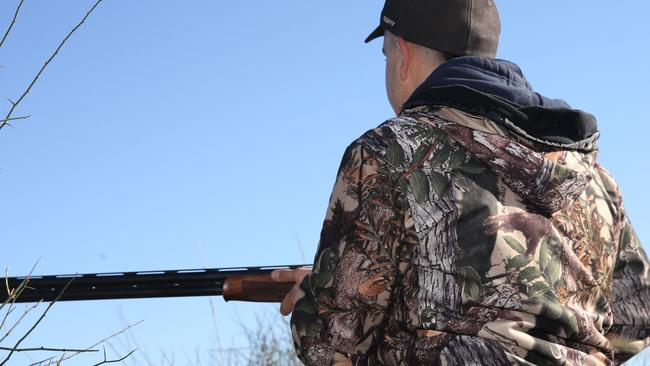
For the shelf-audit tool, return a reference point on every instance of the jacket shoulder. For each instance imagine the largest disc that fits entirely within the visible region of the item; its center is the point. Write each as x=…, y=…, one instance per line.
x=378, y=139
x=608, y=182
x=404, y=130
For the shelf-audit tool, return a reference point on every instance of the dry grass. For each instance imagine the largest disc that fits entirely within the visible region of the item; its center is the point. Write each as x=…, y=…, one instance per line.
x=267, y=342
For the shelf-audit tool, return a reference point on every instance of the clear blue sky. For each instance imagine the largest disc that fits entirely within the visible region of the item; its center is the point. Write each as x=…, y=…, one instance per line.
x=207, y=133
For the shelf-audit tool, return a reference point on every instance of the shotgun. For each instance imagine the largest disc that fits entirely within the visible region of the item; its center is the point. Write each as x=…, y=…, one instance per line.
x=238, y=283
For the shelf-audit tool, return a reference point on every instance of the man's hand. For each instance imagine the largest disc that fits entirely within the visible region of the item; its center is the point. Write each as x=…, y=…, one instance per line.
x=290, y=275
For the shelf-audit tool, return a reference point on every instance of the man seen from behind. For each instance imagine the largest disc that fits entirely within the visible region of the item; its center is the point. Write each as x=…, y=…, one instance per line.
x=475, y=227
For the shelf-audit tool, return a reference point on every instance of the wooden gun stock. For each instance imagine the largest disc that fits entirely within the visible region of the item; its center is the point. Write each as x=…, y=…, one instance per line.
x=257, y=288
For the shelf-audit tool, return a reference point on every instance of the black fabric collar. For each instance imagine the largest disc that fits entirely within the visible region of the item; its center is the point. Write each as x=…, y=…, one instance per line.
x=497, y=89
x=563, y=128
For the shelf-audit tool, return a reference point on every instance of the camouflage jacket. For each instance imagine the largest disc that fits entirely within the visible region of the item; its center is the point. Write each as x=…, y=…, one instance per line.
x=451, y=240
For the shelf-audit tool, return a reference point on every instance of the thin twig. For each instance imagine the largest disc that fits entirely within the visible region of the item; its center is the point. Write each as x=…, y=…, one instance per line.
x=12, y=23
x=46, y=349
x=113, y=361
x=123, y=343
x=12, y=294
x=213, y=313
x=17, y=118
x=302, y=252
x=105, y=339
x=132, y=341
x=6, y=316
x=27, y=311
x=15, y=104
x=112, y=347
x=37, y=322
x=213, y=310
x=39, y=363
x=165, y=357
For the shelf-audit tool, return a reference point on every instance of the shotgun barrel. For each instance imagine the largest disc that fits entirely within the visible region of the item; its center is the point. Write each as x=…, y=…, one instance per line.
x=237, y=283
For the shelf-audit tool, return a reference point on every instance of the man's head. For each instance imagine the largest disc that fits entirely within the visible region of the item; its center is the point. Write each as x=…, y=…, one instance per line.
x=407, y=66
x=422, y=34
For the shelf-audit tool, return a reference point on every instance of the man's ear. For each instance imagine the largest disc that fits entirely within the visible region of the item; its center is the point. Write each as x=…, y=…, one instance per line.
x=406, y=57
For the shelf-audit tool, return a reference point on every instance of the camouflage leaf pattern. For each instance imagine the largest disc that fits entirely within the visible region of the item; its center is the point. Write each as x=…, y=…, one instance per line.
x=449, y=241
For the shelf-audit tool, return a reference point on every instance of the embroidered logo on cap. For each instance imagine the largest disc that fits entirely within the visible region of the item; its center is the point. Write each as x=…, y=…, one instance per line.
x=388, y=21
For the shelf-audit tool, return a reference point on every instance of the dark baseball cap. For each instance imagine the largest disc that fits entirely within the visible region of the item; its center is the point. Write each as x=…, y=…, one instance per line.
x=456, y=27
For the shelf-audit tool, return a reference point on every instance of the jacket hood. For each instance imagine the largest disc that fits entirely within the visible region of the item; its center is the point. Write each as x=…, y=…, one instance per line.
x=546, y=156
x=497, y=89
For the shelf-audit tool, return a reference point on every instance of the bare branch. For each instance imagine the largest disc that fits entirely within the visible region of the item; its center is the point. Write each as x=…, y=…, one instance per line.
x=14, y=293
x=15, y=347
x=12, y=23
x=113, y=361
x=105, y=339
x=27, y=311
x=4, y=319
x=39, y=363
x=7, y=118
x=18, y=118
x=132, y=341
x=15, y=118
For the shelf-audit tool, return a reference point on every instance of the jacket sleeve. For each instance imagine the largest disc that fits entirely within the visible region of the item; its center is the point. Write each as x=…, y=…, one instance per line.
x=630, y=332
x=339, y=316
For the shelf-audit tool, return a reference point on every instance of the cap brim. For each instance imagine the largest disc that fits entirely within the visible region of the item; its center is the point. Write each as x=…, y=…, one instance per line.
x=379, y=32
